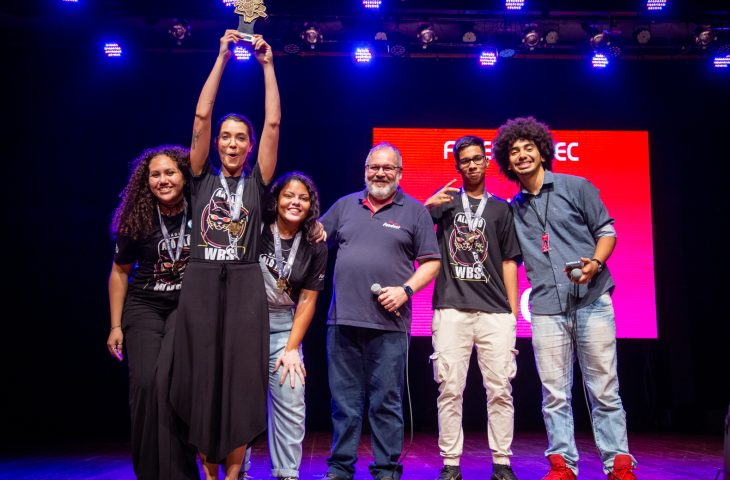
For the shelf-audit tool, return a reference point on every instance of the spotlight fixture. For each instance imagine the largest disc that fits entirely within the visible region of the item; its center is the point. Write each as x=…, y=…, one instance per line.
x=381, y=36
x=600, y=39
x=722, y=57
x=112, y=50
x=180, y=30
x=468, y=34
x=363, y=55
x=655, y=5
x=704, y=36
x=530, y=37
x=488, y=58
x=599, y=61
x=397, y=44
x=371, y=4
x=228, y=3
x=642, y=35
x=241, y=54
x=426, y=35
x=312, y=34
x=514, y=4
x=552, y=37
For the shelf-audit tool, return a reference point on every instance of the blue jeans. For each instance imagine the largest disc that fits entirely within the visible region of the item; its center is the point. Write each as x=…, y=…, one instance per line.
x=286, y=406
x=589, y=334
x=366, y=364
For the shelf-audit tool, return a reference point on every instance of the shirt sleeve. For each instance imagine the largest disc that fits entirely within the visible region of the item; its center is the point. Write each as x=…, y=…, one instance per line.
x=425, y=243
x=595, y=214
x=314, y=279
x=509, y=244
x=331, y=220
x=126, y=251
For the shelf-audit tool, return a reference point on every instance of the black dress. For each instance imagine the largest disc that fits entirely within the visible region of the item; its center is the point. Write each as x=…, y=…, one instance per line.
x=219, y=375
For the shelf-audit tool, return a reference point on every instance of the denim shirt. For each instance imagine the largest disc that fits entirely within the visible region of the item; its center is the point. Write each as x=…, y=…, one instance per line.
x=575, y=220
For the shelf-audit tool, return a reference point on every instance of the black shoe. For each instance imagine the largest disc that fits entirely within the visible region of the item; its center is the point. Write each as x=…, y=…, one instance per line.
x=502, y=472
x=332, y=476
x=450, y=472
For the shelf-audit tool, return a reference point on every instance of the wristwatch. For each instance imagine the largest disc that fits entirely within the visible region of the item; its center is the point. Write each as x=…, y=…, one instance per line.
x=409, y=290
x=600, y=264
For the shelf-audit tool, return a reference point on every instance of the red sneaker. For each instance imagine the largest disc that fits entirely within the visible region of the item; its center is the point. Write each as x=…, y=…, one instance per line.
x=623, y=468
x=558, y=469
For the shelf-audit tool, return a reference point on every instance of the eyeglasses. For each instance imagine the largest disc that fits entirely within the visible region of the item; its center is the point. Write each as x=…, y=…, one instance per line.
x=387, y=169
x=477, y=159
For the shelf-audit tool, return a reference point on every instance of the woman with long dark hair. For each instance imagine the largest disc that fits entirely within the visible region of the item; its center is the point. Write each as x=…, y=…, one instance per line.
x=219, y=376
x=153, y=246
x=294, y=266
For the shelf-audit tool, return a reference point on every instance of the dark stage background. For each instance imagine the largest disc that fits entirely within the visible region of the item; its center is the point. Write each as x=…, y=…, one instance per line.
x=75, y=121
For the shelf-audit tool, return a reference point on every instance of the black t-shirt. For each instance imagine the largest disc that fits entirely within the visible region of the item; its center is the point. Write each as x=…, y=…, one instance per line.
x=215, y=237
x=154, y=270
x=470, y=276
x=308, y=270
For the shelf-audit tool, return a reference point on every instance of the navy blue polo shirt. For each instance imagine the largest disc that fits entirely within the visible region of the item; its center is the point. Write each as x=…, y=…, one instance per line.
x=373, y=248
x=576, y=218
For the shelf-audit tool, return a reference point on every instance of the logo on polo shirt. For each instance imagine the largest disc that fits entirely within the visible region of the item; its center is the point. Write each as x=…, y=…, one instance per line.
x=391, y=224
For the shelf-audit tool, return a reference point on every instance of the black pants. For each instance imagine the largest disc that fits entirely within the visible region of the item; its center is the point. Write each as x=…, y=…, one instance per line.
x=159, y=450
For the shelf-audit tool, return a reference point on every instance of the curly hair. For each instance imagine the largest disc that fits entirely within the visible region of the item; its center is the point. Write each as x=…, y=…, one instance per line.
x=522, y=128
x=270, y=213
x=237, y=117
x=134, y=217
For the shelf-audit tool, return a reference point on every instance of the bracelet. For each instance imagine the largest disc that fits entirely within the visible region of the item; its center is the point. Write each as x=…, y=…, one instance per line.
x=115, y=326
x=600, y=264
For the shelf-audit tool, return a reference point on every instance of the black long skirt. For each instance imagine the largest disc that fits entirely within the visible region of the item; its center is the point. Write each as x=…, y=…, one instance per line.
x=221, y=354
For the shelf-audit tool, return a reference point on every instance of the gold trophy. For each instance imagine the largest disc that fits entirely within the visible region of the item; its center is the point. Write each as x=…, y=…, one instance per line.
x=248, y=11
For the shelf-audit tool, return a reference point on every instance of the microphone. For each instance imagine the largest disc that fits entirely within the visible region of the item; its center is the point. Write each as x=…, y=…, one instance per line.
x=376, y=290
x=576, y=273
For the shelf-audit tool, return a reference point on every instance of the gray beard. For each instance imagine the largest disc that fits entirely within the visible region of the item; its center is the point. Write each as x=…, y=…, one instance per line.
x=381, y=193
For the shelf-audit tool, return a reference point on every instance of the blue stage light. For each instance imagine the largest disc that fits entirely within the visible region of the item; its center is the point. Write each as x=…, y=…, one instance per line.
x=112, y=50
x=488, y=58
x=363, y=55
x=70, y=1
x=514, y=4
x=599, y=61
x=654, y=5
x=722, y=62
x=228, y=3
x=371, y=4
x=241, y=54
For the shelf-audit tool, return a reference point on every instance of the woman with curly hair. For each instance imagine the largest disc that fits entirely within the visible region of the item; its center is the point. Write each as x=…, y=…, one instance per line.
x=153, y=246
x=294, y=265
x=219, y=375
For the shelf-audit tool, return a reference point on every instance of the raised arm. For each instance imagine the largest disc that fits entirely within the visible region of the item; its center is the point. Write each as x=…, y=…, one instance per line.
x=269, y=145
x=200, y=143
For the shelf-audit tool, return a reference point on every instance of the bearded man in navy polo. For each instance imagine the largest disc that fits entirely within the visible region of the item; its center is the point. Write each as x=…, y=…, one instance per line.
x=380, y=232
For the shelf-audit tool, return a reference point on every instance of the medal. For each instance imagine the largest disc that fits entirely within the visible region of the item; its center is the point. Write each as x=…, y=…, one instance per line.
x=235, y=206
x=174, y=255
x=284, y=269
x=234, y=228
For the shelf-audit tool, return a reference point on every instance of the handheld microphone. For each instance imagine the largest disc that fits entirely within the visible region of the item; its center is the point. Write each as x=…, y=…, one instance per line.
x=576, y=273
x=376, y=290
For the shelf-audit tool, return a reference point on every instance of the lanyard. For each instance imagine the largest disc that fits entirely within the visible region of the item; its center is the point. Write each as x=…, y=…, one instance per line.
x=235, y=209
x=543, y=222
x=545, y=239
x=285, y=268
x=166, y=235
x=472, y=221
